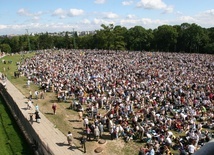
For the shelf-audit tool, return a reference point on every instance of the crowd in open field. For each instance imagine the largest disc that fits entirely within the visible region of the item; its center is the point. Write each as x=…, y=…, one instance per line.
x=150, y=97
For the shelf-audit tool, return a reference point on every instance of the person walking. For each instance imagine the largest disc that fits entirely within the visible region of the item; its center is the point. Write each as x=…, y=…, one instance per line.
x=29, y=104
x=54, y=107
x=69, y=138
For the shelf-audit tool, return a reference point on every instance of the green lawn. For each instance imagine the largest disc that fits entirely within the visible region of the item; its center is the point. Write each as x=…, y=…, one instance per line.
x=12, y=140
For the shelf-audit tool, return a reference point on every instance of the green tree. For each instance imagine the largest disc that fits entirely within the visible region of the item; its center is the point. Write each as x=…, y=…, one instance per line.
x=209, y=47
x=5, y=48
x=15, y=44
x=105, y=37
x=193, y=37
x=67, y=41
x=58, y=42
x=119, y=38
x=165, y=38
x=138, y=38
x=45, y=41
x=86, y=42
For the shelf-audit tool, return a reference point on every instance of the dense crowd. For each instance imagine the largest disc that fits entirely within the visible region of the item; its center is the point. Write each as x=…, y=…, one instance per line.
x=148, y=96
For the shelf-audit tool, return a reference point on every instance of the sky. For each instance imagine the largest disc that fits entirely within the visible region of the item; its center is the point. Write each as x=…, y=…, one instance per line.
x=36, y=16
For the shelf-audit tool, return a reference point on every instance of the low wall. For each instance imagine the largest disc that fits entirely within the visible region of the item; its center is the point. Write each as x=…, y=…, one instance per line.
x=31, y=136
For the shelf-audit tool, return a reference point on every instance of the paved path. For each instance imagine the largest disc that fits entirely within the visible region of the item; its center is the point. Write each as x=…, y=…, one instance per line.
x=49, y=135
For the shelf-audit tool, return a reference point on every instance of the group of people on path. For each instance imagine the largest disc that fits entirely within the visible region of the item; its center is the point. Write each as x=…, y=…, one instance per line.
x=147, y=96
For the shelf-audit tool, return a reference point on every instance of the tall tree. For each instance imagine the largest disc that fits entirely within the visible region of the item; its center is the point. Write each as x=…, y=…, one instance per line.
x=166, y=38
x=14, y=44
x=138, y=38
x=45, y=41
x=119, y=38
x=5, y=48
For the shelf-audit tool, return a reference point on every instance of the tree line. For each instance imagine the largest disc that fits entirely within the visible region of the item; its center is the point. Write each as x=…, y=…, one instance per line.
x=167, y=38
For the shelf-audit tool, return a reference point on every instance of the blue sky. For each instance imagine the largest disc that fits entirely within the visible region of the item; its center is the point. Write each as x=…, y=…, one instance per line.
x=85, y=15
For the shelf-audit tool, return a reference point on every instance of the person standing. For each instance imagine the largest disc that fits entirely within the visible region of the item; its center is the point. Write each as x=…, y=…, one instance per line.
x=36, y=93
x=83, y=141
x=101, y=129
x=69, y=138
x=37, y=117
x=54, y=108
x=88, y=132
x=96, y=133
x=86, y=122
x=80, y=113
x=37, y=107
x=30, y=95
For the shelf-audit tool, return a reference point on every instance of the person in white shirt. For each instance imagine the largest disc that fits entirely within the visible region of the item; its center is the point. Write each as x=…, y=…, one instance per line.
x=86, y=122
x=191, y=149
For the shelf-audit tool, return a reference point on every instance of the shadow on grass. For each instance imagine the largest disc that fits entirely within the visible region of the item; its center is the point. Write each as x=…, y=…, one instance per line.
x=106, y=137
x=49, y=113
x=54, y=101
x=74, y=120
x=80, y=128
x=75, y=147
x=81, y=133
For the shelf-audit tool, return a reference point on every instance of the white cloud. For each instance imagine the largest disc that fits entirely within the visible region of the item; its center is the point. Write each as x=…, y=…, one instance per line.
x=99, y=1
x=168, y=9
x=144, y=22
x=75, y=12
x=127, y=3
x=207, y=13
x=36, y=18
x=23, y=12
x=187, y=19
x=59, y=12
x=85, y=21
x=3, y=27
x=154, y=4
x=110, y=15
x=101, y=21
x=130, y=16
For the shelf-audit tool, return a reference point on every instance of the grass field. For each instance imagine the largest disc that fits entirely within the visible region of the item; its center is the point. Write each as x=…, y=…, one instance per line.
x=12, y=140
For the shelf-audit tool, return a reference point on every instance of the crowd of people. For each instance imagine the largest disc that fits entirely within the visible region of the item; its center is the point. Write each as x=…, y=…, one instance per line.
x=152, y=97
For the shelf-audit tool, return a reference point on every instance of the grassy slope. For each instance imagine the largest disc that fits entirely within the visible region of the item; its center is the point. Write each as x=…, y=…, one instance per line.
x=11, y=140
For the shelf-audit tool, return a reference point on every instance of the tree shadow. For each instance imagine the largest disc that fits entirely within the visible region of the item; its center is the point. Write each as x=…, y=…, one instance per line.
x=80, y=128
